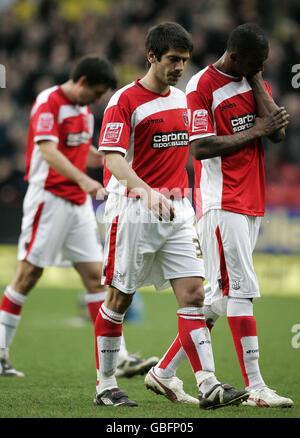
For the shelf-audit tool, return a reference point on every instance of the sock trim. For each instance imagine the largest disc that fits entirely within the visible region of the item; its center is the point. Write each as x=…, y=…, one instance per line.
x=94, y=298
x=110, y=315
x=191, y=313
x=14, y=296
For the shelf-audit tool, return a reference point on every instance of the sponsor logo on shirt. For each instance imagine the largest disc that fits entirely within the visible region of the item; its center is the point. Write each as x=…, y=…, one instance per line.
x=152, y=122
x=162, y=140
x=200, y=120
x=112, y=133
x=77, y=138
x=225, y=107
x=242, y=122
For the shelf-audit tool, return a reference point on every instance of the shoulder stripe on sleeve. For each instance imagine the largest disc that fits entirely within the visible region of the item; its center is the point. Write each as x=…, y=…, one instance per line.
x=229, y=90
x=115, y=98
x=193, y=82
x=42, y=98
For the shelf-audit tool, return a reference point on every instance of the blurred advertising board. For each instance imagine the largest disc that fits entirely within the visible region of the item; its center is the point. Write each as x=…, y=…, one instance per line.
x=280, y=231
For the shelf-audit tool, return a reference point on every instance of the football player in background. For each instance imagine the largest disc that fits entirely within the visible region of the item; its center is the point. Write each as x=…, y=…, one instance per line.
x=59, y=227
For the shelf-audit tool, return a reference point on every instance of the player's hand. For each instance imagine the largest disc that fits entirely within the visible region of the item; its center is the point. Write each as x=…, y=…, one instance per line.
x=90, y=186
x=258, y=77
x=101, y=194
x=160, y=206
x=271, y=123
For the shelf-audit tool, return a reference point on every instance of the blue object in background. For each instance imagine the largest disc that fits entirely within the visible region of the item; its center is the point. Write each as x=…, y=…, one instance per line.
x=136, y=312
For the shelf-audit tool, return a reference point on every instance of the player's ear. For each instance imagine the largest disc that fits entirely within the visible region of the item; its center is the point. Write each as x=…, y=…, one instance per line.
x=81, y=81
x=151, y=56
x=234, y=57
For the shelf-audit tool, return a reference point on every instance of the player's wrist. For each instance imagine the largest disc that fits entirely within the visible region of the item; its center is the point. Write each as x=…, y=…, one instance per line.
x=81, y=178
x=255, y=132
x=143, y=192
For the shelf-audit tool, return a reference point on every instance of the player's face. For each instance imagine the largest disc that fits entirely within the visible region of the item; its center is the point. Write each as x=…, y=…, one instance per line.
x=252, y=63
x=88, y=94
x=171, y=65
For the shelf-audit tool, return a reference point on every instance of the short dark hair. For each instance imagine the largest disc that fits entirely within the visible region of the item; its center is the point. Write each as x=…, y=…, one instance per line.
x=247, y=38
x=96, y=70
x=164, y=36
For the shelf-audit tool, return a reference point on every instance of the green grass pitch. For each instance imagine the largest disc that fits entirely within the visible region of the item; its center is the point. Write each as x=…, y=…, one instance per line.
x=54, y=347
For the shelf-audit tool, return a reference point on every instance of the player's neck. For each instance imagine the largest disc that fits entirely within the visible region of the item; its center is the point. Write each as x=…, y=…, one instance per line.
x=224, y=65
x=152, y=83
x=68, y=91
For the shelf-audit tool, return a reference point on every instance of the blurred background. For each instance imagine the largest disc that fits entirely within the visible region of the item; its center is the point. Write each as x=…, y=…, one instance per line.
x=41, y=39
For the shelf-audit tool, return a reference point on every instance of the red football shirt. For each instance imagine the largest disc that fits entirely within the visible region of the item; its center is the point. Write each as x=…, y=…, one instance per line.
x=151, y=131
x=53, y=117
x=220, y=104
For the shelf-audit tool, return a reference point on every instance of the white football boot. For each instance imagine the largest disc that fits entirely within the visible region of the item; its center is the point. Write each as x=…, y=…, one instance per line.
x=171, y=388
x=7, y=369
x=267, y=398
x=133, y=365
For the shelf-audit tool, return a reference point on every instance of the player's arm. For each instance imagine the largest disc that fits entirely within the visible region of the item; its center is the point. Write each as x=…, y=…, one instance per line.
x=215, y=145
x=95, y=158
x=156, y=202
x=60, y=163
x=266, y=105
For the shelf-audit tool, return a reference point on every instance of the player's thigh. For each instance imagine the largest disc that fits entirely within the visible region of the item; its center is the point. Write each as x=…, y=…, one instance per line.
x=45, y=224
x=90, y=273
x=132, y=241
x=226, y=243
x=180, y=256
x=254, y=227
x=82, y=244
x=128, y=254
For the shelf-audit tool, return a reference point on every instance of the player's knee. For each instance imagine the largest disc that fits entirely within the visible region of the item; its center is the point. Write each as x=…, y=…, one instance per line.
x=117, y=300
x=26, y=278
x=93, y=282
x=194, y=296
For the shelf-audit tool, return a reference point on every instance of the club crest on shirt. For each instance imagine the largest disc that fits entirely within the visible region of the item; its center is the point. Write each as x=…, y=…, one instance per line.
x=185, y=118
x=236, y=284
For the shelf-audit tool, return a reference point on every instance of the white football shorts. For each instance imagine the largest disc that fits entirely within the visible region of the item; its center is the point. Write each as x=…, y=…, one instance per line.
x=227, y=242
x=56, y=232
x=140, y=250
